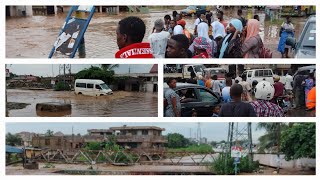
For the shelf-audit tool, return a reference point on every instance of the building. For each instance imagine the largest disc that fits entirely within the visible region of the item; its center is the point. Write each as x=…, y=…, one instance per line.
x=137, y=138
x=140, y=82
x=100, y=132
x=18, y=11
x=26, y=137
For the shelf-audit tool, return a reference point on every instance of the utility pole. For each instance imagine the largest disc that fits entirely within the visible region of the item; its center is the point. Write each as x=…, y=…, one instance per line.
x=278, y=132
x=199, y=134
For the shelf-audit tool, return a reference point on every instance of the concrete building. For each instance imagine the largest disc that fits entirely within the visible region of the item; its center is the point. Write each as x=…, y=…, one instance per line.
x=137, y=138
x=140, y=82
x=68, y=143
x=100, y=132
x=18, y=11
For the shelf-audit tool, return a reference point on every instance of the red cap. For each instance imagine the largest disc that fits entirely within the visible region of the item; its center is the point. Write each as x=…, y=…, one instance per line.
x=182, y=22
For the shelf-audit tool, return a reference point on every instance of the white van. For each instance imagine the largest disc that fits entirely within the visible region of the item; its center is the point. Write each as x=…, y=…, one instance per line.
x=91, y=87
x=196, y=68
x=259, y=75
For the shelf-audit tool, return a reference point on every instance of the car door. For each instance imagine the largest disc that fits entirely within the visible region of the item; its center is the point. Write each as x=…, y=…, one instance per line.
x=189, y=100
x=207, y=101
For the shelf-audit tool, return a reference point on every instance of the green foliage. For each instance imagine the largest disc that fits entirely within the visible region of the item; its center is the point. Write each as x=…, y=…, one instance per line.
x=299, y=141
x=13, y=140
x=49, y=165
x=93, y=72
x=176, y=140
x=223, y=165
x=49, y=133
x=93, y=146
x=200, y=149
x=60, y=86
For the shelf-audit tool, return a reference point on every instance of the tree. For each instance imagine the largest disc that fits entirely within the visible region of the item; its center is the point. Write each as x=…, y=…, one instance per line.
x=49, y=133
x=176, y=140
x=96, y=73
x=269, y=140
x=109, y=67
x=299, y=141
x=13, y=140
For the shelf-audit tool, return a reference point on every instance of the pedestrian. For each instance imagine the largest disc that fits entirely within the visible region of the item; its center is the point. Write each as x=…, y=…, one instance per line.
x=221, y=19
x=174, y=15
x=241, y=18
x=200, y=81
x=252, y=43
x=172, y=24
x=246, y=88
x=173, y=108
x=256, y=16
x=278, y=88
x=208, y=81
x=218, y=33
x=177, y=47
x=215, y=110
x=183, y=23
x=226, y=91
x=178, y=29
x=298, y=89
x=231, y=44
x=262, y=106
x=158, y=39
x=286, y=31
x=130, y=33
x=236, y=108
x=200, y=19
x=208, y=21
x=215, y=85
x=202, y=30
x=288, y=83
x=201, y=48
x=194, y=113
x=167, y=19
x=308, y=85
x=311, y=99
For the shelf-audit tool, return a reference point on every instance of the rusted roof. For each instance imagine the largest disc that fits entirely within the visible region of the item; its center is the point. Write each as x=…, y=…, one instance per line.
x=99, y=130
x=154, y=69
x=137, y=128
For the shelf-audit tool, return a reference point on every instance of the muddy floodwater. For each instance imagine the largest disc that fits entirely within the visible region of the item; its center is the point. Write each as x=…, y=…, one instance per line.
x=120, y=104
x=33, y=37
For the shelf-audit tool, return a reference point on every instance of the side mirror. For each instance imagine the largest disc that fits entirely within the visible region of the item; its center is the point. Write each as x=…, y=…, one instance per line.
x=291, y=42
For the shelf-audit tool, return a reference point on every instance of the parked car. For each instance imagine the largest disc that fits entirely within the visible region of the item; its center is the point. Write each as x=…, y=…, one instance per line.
x=305, y=71
x=305, y=47
x=259, y=75
x=189, y=11
x=91, y=87
x=193, y=96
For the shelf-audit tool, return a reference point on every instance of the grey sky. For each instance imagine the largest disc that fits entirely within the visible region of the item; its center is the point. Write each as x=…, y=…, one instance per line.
x=213, y=131
x=47, y=69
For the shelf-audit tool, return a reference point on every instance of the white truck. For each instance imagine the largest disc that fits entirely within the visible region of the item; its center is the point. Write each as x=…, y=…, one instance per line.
x=259, y=75
x=91, y=87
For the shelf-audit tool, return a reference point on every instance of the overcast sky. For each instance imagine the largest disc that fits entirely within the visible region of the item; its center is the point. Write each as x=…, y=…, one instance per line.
x=213, y=131
x=46, y=70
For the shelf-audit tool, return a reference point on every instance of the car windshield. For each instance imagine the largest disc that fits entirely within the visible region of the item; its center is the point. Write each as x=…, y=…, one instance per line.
x=309, y=38
x=104, y=86
x=199, y=68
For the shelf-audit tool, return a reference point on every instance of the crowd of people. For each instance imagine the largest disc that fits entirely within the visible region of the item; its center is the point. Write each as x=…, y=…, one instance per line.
x=257, y=99
x=170, y=38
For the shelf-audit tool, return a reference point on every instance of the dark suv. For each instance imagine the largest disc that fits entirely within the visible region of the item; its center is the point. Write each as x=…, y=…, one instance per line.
x=193, y=96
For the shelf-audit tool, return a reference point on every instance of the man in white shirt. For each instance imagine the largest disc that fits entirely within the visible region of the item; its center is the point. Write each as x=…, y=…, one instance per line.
x=178, y=29
x=215, y=85
x=200, y=18
x=288, y=82
x=158, y=39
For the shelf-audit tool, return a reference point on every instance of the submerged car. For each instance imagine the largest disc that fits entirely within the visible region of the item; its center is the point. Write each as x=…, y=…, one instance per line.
x=195, y=97
x=305, y=46
x=189, y=11
x=91, y=87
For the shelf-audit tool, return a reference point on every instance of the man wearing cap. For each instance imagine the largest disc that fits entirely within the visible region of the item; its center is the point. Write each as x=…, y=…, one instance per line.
x=158, y=39
x=183, y=23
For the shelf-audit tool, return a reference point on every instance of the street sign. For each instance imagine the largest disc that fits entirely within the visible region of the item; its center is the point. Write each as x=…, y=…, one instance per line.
x=236, y=151
x=72, y=31
x=236, y=160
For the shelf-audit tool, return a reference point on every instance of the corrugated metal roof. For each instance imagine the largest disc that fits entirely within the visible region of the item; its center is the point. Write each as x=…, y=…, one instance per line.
x=12, y=149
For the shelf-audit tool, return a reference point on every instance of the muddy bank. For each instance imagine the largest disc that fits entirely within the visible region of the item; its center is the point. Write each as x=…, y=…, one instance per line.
x=120, y=104
x=15, y=105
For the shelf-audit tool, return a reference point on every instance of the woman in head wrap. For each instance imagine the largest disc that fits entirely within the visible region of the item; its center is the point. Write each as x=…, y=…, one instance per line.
x=202, y=30
x=218, y=33
x=251, y=45
x=202, y=48
x=231, y=44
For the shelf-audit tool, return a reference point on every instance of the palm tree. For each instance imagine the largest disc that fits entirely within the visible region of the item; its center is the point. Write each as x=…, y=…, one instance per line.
x=109, y=67
x=270, y=139
x=49, y=133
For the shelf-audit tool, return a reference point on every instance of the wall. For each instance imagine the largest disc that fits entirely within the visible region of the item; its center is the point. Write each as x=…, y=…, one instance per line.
x=271, y=160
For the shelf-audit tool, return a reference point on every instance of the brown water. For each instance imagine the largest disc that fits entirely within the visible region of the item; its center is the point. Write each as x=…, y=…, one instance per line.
x=120, y=104
x=33, y=37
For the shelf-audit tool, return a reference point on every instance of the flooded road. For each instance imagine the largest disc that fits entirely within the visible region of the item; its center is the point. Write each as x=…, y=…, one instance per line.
x=33, y=37
x=120, y=104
